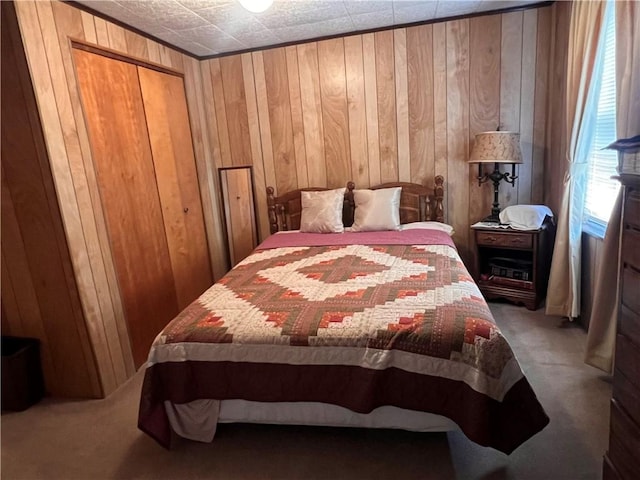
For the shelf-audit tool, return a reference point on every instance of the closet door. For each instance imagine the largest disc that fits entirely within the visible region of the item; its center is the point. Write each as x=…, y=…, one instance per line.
x=167, y=118
x=115, y=117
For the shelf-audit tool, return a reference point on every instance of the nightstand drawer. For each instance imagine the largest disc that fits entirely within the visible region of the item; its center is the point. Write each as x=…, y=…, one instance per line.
x=501, y=239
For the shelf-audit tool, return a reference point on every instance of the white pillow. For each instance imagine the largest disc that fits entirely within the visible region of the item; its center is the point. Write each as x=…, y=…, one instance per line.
x=377, y=209
x=443, y=227
x=322, y=211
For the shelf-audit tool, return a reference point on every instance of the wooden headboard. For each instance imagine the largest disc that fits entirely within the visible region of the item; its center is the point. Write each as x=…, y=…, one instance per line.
x=417, y=204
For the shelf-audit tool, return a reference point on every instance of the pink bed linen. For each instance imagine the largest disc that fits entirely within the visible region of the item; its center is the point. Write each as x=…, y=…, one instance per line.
x=389, y=237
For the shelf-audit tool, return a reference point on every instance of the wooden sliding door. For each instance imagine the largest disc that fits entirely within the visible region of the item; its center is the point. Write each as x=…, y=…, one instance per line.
x=143, y=155
x=170, y=136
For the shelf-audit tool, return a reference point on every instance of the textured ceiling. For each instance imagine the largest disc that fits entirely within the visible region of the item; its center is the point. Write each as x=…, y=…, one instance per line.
x=212, y=27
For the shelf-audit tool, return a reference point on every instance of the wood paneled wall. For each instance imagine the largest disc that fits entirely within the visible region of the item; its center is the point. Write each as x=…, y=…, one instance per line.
x=39, y=292
x=402, y=104
x=556, y=160
x=47, y=29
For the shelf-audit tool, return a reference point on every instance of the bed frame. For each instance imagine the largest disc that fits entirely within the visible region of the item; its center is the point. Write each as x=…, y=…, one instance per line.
x=418, y=203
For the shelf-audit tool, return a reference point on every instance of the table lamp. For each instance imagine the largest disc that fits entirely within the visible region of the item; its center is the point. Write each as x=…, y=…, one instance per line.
x=496, y=147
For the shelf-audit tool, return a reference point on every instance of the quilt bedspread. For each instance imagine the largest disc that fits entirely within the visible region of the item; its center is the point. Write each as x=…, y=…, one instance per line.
x=354, y=325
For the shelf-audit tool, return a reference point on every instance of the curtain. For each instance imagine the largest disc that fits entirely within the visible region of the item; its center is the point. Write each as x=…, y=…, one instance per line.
x=584, y=73
x=604, y=317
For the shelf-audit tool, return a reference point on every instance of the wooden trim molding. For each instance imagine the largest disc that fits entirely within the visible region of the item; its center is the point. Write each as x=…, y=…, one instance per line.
x=114, y=54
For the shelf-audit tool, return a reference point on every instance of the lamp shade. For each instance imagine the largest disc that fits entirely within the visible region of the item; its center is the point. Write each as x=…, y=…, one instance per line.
x=496, y=147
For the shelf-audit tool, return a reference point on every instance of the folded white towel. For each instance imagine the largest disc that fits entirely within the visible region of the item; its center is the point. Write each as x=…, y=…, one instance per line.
x=525, y=217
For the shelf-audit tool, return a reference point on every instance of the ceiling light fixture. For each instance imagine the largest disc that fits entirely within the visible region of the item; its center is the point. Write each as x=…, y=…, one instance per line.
x=256, y=6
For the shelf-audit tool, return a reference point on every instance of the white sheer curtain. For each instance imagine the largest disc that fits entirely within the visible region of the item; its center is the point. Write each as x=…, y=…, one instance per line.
x=584, y=76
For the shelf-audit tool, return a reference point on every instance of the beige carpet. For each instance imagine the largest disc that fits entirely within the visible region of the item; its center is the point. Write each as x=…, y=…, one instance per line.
x=96, y=439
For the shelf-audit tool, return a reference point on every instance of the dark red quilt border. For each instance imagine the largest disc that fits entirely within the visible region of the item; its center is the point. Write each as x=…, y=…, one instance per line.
x=502, y=425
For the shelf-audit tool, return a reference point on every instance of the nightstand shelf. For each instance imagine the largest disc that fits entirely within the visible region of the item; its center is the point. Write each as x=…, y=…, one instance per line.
x=514, y=264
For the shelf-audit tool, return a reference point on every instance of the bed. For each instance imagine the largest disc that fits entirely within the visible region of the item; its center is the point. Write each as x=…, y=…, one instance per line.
x=357, y=311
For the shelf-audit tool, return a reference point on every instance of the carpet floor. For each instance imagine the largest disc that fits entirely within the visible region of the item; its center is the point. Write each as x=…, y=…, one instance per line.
x=98, y=439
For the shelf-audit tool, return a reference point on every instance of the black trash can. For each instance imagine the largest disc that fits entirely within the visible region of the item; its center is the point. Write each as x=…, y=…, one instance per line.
x=22, y=382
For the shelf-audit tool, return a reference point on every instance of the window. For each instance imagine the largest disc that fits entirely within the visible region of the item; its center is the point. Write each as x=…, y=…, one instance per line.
x=601, y=189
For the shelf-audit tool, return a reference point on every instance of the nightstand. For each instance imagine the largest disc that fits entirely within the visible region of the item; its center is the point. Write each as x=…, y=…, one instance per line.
x=514, y=264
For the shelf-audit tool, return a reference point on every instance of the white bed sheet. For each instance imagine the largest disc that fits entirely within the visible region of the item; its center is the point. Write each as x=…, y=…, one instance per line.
x=198, y=420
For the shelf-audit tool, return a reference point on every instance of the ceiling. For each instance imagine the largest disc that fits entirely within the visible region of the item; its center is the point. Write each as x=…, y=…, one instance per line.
x=214, y=27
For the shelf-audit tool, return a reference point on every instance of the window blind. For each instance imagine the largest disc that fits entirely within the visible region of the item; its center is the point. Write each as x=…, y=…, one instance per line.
x=601, y=189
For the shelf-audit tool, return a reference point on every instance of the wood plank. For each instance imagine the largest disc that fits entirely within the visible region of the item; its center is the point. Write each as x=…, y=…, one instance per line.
x=14, y=259
x=484, y=98
x=458, y=133
x=237, y=190
x=356, y=100
x=117, y=39
x=102, y=34
x=204, y=150
x=441, y=153
x=43, y=274
x=555, y=159
x=177, y=60
x=122, y=154
x=510, y=89
x=420, y=98
x=275, y=74
x=154, y=51
x=335, y=111
x=217, y=87
x=543, y=43
x=165, y=56
x=136, y=45
x=68, y=24
x=371, y=99
x=310, y=99
x=11, y=322
x=43, y=86
x=263, y=117
x=297, y=122
x=387, y=128
x=209, y=107
x=235, y=107
x=260, y=187
x=88, y=27
x=165, y=108
x=17, y=263
x=527, y=105
x=402, y=103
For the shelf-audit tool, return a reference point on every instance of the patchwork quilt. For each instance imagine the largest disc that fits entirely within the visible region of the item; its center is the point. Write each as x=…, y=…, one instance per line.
x=351, y=324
